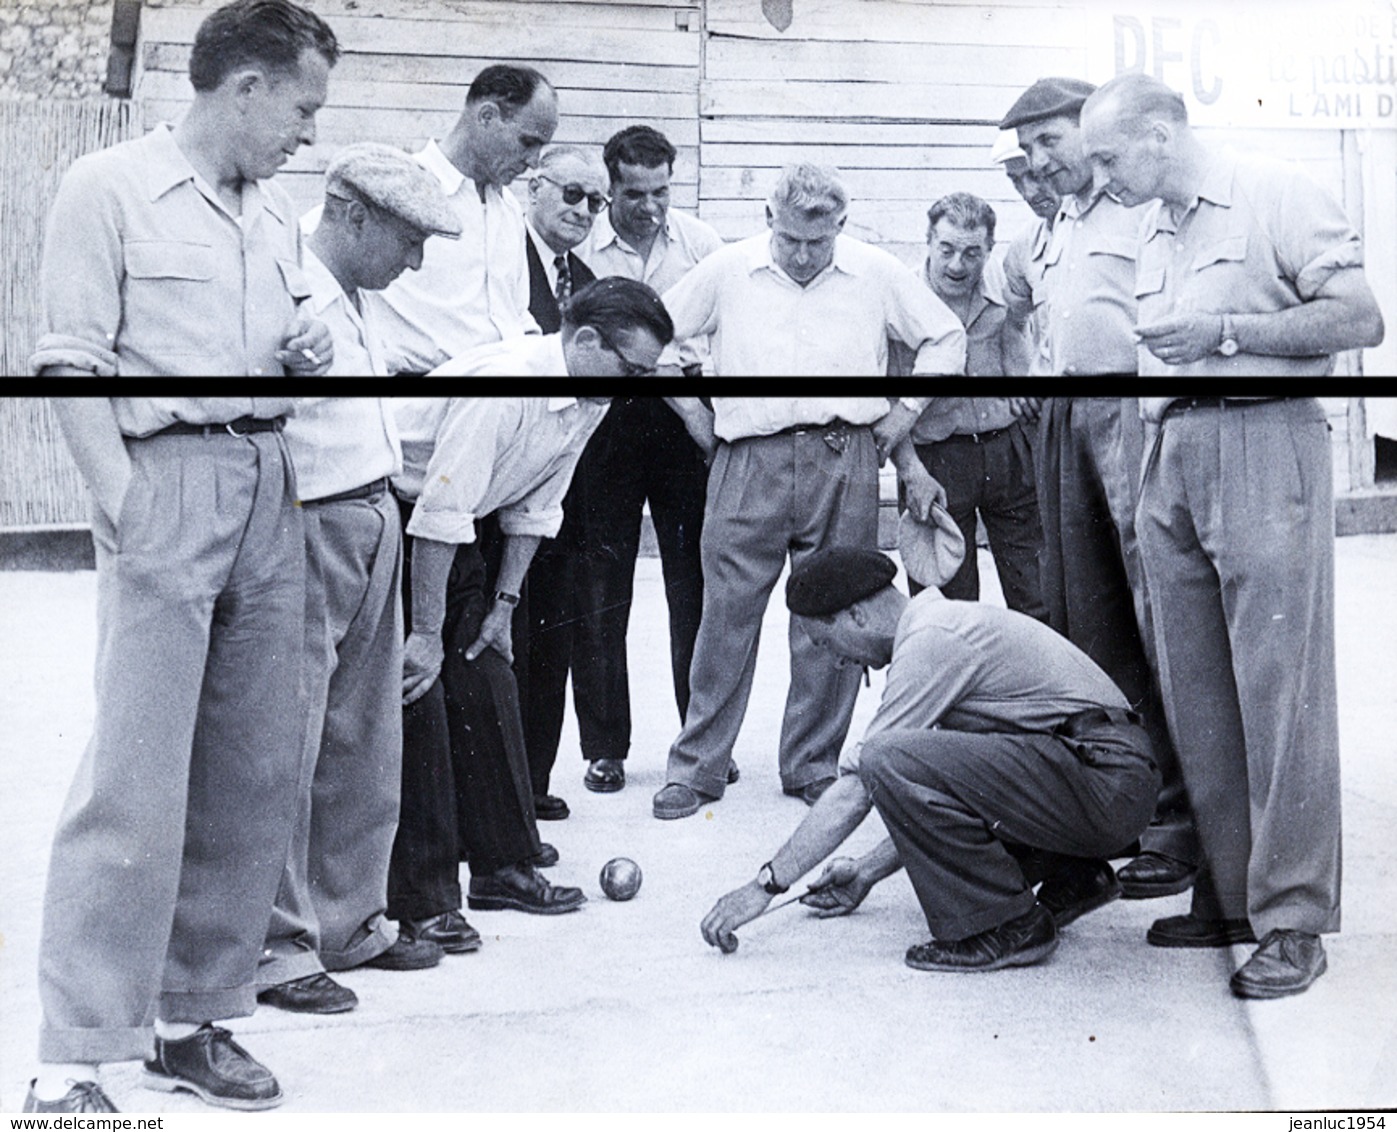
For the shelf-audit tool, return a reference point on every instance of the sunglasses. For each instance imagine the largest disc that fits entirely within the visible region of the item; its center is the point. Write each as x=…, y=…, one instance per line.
x=573, y=193
x=629, y=368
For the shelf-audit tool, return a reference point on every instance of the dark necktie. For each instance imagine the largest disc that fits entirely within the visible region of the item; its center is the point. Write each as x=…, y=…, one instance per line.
x=564, y=289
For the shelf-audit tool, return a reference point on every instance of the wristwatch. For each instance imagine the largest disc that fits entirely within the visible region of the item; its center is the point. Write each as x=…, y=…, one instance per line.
x=1228, y=347
x=767, y=879
x=506, y=597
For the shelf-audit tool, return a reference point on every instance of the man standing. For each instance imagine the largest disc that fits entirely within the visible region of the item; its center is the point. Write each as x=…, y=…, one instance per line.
x=380, y=207
x=1090, y=449
x=475, y=290
x=1023, y=262
x=167, y=255
x=1000, y=756
x=174, y=254
x=643, y=453
x=1242, y=258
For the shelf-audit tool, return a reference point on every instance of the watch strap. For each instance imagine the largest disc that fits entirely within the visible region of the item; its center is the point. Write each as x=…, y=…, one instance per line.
x=506, y=597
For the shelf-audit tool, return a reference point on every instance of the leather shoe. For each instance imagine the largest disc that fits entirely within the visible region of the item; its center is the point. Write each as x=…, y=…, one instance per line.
x=1194, y=931
x=549, y=807
x=733, y=773
x=546, y=857
x=1019, y=942
x=1081, y=887
x=84, y=1096
x=408, y=953
x=1154, y=874
x=678, y=801
x=1287, y=962
x=605, y=776
x=449, y=931
x=212, y=1066
x=524, y=889
x=315, y=994
x=811, y=791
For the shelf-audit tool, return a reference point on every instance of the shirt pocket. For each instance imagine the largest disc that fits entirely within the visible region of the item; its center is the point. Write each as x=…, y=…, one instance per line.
x=172, y=299
x=1122, y=247
x=1228, y=250
x=169, y=259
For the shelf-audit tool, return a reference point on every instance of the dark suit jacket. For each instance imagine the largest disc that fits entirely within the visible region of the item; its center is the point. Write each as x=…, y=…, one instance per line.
x=542, y=305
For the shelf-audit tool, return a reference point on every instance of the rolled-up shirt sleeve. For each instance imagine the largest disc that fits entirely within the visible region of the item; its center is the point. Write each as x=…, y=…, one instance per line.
x=1316, y=238
x=81, y=276
x=693, y=306
x=460, y=470
x=925, y=324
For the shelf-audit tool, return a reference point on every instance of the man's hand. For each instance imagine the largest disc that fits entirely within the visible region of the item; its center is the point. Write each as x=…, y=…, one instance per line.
x=738, y=907
x=308, y=350
x=1183, y=339
x=1026, y=409
x=838, y=890
x=892, y=428
x=422, y=657
x=496, y=632
x=922, y=489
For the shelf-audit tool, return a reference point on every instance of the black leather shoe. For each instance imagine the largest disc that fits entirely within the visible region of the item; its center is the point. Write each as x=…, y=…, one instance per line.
x=408, y=953
x=545, y=858
x=1154, y=874
x=84, y=1096
x=449, y=931
x=810, y=793
x=605, y=776
x=1079, y=888
x=315, y=994
x=1287, y=962
x=733, y=773
x=523, y=889
x=212, y=1066
x=1192, y=931
x=1016, y=943
x=549, y=807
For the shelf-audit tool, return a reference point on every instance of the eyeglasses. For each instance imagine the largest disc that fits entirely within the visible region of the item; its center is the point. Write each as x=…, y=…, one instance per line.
x=629, y=368
x=573, y=193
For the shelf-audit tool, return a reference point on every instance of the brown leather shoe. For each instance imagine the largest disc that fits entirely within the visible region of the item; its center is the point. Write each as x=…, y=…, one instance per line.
x=1287, y=962
x=1193, y=931
x=1154, y=874
x=84, y=1096
x=212, y=1066
x=449, y=931
x=522, y=888
x=1081, y=887
x=1019, y=942
x=314, y=994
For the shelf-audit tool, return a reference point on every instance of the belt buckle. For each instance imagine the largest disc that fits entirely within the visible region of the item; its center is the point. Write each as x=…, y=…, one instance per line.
x=232, y=431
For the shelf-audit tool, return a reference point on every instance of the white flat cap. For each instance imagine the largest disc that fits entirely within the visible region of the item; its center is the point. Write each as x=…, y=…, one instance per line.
x=393, y=181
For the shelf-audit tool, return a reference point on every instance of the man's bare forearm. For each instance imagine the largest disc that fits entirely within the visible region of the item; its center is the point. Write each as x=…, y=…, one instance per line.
x=839, y=812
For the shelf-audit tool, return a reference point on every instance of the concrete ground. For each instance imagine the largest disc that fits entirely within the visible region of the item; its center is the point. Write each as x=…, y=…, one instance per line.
x=623, y=1007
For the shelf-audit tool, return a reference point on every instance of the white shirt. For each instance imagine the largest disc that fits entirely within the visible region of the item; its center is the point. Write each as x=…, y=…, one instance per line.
x=531, y=355
x=681, y=243
x=468, y=457
x=763, y=323
x=736, y=418
x=358, y=351
x=340, y=443
x=469, y=291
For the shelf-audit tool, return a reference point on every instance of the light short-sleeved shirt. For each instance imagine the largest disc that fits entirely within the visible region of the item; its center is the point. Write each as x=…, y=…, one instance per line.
x=146, y=273
x=468, y=457
x=358, y=350
x=763, y=323
x=738, y=418
x=967, y=666
x=1089, y=280
x=145, y=416
x=340, y=443
x=984, y=333
x=532, y=355
x=681, y=243
x=1261, y=237
x=1024, y=294
x=468, y=292
x=961, y=416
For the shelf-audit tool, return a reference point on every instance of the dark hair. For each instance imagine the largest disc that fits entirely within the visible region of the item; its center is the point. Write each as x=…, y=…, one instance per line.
x=637, y=145
x=273, y=33
x=509, y=87
x=614, y=304
x=964, y=210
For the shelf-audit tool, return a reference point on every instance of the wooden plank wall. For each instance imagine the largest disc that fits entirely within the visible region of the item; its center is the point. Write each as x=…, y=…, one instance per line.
x=407, y=64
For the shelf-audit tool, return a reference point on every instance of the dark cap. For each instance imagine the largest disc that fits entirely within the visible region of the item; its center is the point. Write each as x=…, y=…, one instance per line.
x=835, y=578
x=1048, y=98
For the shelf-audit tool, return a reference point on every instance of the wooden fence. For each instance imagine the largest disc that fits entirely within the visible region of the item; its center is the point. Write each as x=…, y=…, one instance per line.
x=39, y=140
x=39, y=483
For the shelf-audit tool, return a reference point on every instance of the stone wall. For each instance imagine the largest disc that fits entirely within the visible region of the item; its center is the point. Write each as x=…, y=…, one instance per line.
x=53, y=48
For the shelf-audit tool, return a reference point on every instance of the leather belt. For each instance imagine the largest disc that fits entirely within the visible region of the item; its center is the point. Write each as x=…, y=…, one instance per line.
x=976, y=437
x=240, y=427
x=1075, y=725
x=368, y=491
x=1189, y=404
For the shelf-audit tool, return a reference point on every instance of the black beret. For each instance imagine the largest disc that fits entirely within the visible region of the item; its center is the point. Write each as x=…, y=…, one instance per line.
x=1048, y=98
x=835, y=578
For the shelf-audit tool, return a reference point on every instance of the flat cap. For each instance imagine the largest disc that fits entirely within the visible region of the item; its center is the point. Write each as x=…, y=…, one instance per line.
x=389, y=178
x=931, y=552
x=835, y=578
x=1006, y=149
x=1047, y=98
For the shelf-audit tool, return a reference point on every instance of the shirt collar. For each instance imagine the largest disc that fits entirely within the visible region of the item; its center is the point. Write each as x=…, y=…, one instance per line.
x=759, y=257
x=604, y=235
x=167, y=167
x=1216, y=188
x=436, y=163
x=988, y=292
x=325, y=289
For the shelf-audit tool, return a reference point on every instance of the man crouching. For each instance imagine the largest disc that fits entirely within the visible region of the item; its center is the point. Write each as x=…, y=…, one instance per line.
x=1000, y=756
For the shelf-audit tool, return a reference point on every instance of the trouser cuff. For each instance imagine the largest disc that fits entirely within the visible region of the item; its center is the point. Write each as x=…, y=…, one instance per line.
x=973, y=923
x=274, y=970
x=381, y=936
x=208, y=1005
x=95, y=1047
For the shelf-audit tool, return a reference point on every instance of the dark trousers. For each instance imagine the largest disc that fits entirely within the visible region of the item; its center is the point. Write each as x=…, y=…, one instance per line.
x=1089, y=455
x=976, y=817
x=465, y=773
x=581, y=584
x=993, y=477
